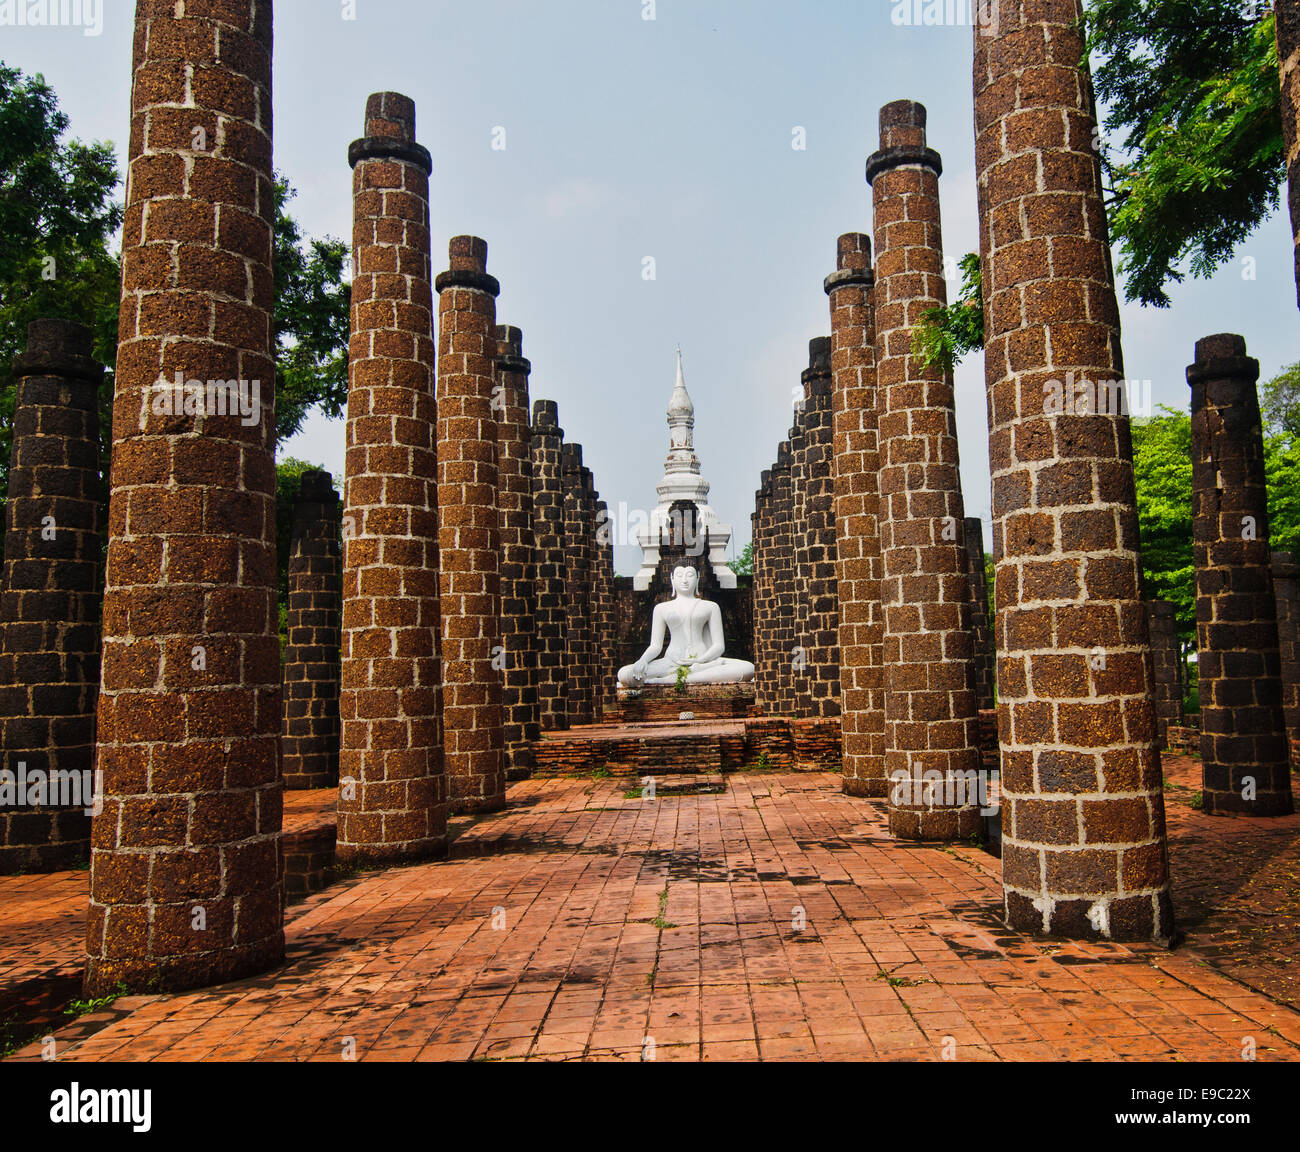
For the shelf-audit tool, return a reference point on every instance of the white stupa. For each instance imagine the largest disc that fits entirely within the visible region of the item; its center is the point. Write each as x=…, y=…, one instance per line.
x=682, y=481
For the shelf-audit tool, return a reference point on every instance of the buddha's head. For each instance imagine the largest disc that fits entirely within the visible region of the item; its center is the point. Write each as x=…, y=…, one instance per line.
x=685, y=581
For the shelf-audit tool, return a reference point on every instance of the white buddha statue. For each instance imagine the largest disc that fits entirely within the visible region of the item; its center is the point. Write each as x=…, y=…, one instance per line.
x=695, y=642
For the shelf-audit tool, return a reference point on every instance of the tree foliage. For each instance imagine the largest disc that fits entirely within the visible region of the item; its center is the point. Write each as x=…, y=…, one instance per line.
x=1162, y=474
x=311, y=321
x=1193, y=104
x=57, y=216
x=744, y=564
x=945, y=335
x=57, y=220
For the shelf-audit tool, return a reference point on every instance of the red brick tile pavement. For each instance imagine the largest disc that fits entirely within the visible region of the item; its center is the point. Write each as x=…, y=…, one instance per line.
x=1236, y=886
x=580, y=925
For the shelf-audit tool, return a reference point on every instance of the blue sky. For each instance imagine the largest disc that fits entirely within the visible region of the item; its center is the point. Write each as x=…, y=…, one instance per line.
x=670, y=138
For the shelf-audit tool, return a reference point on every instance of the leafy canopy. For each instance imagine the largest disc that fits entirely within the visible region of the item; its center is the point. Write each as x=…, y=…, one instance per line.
x=1192, y=96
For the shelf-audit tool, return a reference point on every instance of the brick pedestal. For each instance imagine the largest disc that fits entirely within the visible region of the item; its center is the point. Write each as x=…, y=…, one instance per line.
x=519, y=711
x=185, y=883
x=1286, y=596
x=1167, y=663
x=1244, y=752
x=1083, y=848
x=932, y=750
x=857, y=508
x=392, y=802
x=49, y=603
x=311, y=734
x=468, y=536
x=550, y=576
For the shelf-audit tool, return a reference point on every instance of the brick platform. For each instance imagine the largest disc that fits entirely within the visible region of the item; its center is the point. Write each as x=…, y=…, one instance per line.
x=679, y=920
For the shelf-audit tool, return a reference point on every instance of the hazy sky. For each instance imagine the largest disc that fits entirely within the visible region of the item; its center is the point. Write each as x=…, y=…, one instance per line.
x=672, y=138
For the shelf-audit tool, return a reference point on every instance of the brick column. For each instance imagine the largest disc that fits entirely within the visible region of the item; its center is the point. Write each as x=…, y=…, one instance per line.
x=1286, y=597
x=49, y=601
x=933, y=714
x=590, y=605
x=551, y=614
x=393, y=799
x=310, y=739
x=519, y=711
x=782, y=599
x=760, y=523
x=1288, y=54
x=820, y=618
x=857, y=507
x=1167, y=664
x=1244, y=751
x=468, y=536
x=185, y=883
x=577, y=591
x=981, y=632
x=798, y=692
x=1084, y=850
x=605, y=669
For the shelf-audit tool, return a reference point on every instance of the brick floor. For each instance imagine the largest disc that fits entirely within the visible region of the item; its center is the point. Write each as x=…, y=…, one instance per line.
x=774, y=921
x=1236, y=886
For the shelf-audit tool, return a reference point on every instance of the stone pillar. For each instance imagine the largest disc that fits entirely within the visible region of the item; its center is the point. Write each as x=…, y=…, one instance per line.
x=1286, y=597
x=519, y=711
x=781, y=560
x=933, y=713
x=605, y=669
x=764, y=667
x=577, y=592
x=981, y=632
x=1167, y=664
x=798, y=694
x=1083, y=834
x=49, y=603
x=857, y=508
x=310, y=739
x=551, y=615
x=1288, y=54
x=820, y=685
x=1244, y=752
x=590, y=605
x=393, y=802
x=468, y=536
x=186, y=881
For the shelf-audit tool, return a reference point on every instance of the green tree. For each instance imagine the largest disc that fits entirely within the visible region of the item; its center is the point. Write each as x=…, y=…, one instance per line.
x=744, y=565
x=1279, y=402
x=945, y=335
x=311, y=321
x=1194, y=160
x=1162, y=474
x=1193, y=101
x=57, y=215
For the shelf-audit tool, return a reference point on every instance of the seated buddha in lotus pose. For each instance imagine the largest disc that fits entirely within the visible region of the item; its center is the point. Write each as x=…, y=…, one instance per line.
x=695, y=642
